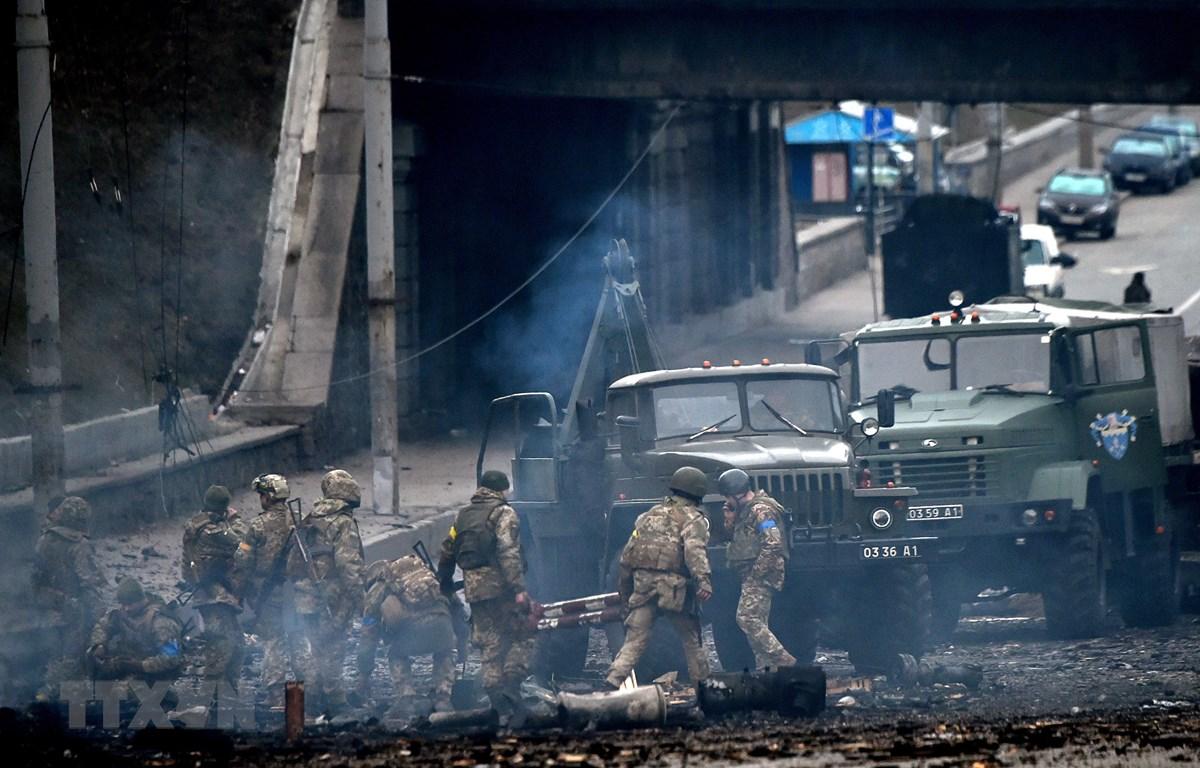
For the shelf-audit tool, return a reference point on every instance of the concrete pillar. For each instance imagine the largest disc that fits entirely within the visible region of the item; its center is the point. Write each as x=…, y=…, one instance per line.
x=41, y=256
x=925, y=165
x=1087, y=152
x=994, y=186
x=381, y=271
x=406, y=147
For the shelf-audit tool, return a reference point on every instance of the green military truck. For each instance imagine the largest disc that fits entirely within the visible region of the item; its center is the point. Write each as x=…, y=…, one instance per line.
x=581, y=475
x=1053, y=446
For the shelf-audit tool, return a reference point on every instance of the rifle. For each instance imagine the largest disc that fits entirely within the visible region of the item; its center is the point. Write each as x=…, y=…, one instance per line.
x=458, y=615
x=294, y=509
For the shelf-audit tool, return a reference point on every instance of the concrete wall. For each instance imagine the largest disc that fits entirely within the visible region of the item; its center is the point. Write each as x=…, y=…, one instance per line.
x=98, y=443
x=828, y=252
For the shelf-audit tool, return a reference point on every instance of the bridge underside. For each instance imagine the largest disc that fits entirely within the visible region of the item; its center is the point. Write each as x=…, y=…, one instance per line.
x=1082, y=51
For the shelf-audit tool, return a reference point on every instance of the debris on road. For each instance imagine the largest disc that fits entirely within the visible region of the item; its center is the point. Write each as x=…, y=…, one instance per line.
x=796, y=691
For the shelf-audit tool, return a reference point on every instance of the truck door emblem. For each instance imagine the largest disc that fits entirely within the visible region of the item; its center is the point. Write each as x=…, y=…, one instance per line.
x=1114, y=432
x=929, y=442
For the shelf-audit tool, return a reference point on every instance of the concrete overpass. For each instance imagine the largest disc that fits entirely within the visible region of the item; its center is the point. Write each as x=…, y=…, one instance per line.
x=957, y=51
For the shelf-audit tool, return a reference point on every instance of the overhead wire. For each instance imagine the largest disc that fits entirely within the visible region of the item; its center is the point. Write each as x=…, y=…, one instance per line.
x=20, y=239
x=515, y=291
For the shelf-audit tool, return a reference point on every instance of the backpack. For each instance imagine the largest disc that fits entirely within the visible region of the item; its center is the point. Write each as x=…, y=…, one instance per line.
x=475, y=538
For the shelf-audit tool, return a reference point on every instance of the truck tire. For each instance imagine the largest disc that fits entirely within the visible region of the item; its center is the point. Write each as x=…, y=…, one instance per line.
x=1075, y=596
x=1150, y=597
x=891, y=615
x=561, y=653
x=945, y=612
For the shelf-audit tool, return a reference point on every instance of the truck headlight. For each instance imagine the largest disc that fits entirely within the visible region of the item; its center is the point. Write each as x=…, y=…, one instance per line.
x=881, y=518
x=1029, y=517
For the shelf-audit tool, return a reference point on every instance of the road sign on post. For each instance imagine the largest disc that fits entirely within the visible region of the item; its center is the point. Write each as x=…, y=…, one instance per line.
x=879, y=123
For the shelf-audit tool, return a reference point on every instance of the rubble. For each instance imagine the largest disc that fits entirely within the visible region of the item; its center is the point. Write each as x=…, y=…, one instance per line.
x=794, y=691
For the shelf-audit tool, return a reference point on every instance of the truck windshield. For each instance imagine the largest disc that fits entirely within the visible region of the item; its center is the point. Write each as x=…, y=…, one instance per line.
x=811, y=404
x=683, y=410
x=1010, y=362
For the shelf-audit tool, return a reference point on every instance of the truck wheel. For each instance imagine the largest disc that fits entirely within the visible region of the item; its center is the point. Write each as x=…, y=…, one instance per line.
x=1150, y=597
x=732, y=647
x=561, y=653
x=891, y=616
x=945, y=613
x=1075, y=597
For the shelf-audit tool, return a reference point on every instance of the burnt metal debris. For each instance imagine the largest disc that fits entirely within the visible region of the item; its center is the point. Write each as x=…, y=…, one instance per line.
x=793, y=691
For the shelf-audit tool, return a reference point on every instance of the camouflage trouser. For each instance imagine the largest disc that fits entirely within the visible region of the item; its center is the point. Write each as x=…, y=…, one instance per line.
x=224, y=643
x=432, y=634
x=753, y=614
x=326, y=640
x=282, y=649
x=639, y=625
x=505, y=640
x=70, y=665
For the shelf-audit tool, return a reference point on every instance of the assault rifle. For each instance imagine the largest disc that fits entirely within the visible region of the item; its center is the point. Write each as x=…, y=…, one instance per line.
x=294, y=509
x=458, y=614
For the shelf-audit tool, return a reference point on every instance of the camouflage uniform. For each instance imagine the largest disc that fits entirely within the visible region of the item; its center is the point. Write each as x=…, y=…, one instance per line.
x=210, y=542
x=138, y=640
x=500, y=625
x=406, y=609
x=758, y=554
x=663, y=564
x=327, y=607
x=67, y=581
x=259, y=577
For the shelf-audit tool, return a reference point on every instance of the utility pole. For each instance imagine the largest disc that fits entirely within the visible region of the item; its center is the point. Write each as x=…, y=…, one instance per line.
x=1087, y=157
x=381, y=256
x=925, y=165
x=995, y=151
x=41, y=255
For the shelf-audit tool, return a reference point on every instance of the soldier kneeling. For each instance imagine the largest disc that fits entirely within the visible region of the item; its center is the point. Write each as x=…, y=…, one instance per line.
x=138, y=640
x=406, y=609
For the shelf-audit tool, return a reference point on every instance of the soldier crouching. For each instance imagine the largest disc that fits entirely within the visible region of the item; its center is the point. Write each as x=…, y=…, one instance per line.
x=137, y=640
x=406, y=609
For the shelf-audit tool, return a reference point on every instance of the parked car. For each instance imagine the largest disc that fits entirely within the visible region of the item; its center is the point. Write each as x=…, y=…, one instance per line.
x=1178, y=148
x=1045, y=265
x=1081, y=199
x=1188, y=130
x=1139, y=161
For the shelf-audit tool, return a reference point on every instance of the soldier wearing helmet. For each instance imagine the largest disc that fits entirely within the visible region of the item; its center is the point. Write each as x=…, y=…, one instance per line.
x=210, y=542
x=137, y=640
x=328, y=589
x=67, y=581
x=758, y=554
x=485, y=541
x=406, y=609
x=259, y=576
x=664, y=570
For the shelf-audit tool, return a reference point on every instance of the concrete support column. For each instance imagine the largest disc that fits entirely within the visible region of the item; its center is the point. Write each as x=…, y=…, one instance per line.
x=381, y=272
x=41, y=257
x=994, y=187
x=406, y=146
x=925, y=173
x=1087, y=152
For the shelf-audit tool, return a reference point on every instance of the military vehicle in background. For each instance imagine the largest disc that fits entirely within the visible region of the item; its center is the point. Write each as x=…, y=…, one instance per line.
x=581, y=476
x=949, y=242
x=1053, y=445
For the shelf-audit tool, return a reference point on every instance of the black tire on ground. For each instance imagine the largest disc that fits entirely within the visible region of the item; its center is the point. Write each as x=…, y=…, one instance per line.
x=1075, y=597
x=561, y=653
x=1150, y=593
x=892, y=613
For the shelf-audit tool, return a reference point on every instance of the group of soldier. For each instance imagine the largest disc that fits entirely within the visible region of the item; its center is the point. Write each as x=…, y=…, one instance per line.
x=299, y=582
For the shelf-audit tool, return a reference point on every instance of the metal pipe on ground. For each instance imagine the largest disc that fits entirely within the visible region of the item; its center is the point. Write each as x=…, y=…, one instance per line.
x=796, y=691
x=644, y=707
x=293, y=710
x=912, y=672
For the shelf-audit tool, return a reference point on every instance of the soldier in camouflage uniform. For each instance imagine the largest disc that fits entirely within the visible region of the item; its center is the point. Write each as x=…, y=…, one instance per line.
x=136, y=641
x=329, y=588
x=759, y=556
x=210, y=541
x=259, y=575
x=485, y=541
x=406, y=609
x=663, y=570
x=67, y=581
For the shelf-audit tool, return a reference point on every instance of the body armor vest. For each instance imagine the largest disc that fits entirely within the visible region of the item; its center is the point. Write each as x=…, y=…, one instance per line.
x=475, y=537
x=746, y=544
x=657, y=540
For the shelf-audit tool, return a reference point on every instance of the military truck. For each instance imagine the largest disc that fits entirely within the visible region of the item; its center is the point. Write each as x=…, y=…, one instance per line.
x=1053, y=445
x=583, y=474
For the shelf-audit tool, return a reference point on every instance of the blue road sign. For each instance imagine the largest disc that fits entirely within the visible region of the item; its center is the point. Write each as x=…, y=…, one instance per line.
x=879, y=123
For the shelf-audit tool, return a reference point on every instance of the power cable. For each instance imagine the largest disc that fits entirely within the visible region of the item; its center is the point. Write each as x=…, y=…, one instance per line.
x=133, y=259
x=20, y=240
x=182, y=181
x=511, y=294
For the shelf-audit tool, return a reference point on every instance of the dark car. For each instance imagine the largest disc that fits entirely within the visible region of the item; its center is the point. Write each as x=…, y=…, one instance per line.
x=1078, y=199
x=1141, y=160
x=1189, y=132
x=1178, y=147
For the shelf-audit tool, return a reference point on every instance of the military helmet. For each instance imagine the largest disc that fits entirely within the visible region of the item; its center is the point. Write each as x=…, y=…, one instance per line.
x=274, y=487
x=340, y=484
x=217, y=498
x=130, y=592
x=689, y=482
x=733, y=482
x=495, y=480
x=376, y=571
x=72, y=512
